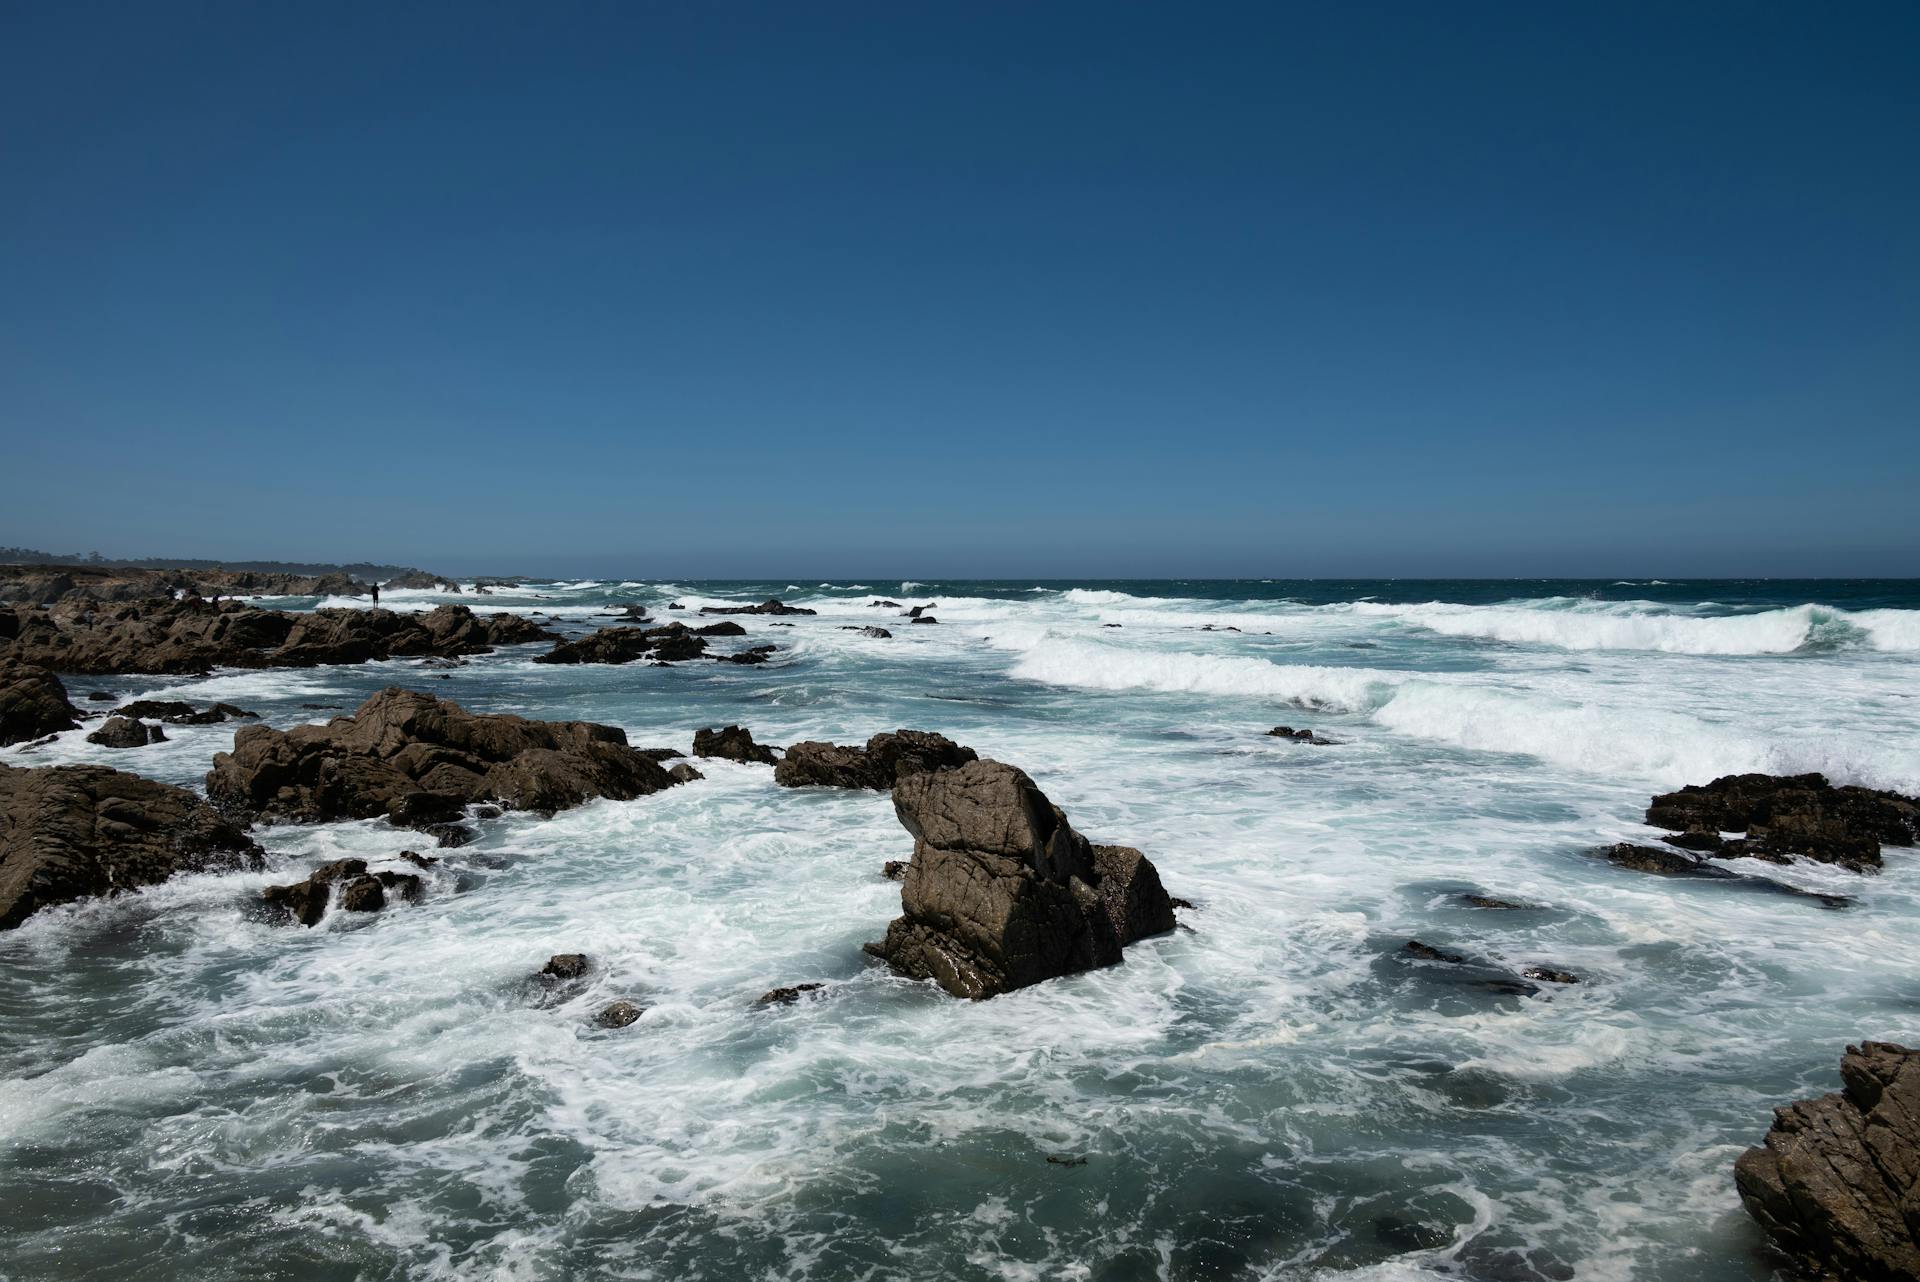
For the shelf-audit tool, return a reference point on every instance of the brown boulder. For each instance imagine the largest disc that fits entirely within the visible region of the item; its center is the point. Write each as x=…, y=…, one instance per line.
x=1784, y=815
x=1001, y=892
x=125, y=732
x=33, y=703
x=67, y=832
x=420, y=760
x=1837, y=1183
x=732, y=743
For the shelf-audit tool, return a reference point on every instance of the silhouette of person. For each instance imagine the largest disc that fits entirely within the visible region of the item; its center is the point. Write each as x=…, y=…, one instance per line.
x=376, y=593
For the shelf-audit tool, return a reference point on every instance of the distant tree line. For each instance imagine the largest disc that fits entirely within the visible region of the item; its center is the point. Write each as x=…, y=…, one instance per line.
x=363, y=570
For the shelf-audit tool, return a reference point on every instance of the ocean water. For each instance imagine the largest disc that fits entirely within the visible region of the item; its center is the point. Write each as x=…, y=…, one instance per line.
x=1271, y=1092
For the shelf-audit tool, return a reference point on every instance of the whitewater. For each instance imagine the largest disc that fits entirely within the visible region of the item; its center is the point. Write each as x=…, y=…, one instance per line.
x=1270, y=1092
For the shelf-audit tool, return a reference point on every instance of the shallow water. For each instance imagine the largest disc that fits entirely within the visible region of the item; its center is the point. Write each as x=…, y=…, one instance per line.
x=1271, y=1092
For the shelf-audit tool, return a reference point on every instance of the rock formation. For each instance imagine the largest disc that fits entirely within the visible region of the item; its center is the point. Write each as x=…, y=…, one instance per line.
x=1001, y=892
x=666, y=644
x=1789, y=815
x=178, y=712
x=194, y=636
x=1837, y=1183
x=33, y=703
x=731, y=743
x=125, y=732
x=765, y=607
x=67, y=832
x=885, y=759
x=420, y=760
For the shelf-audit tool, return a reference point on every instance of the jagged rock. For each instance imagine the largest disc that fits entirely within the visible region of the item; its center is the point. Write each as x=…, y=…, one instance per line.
x=1550, y=975
x=786, y=996
x=878, y=633
x=181, y=713
x=33, y=703
x=1664, y=861
x=1001, y=892
x=619, y=1014
x=919, y=610
x=451, y=836
x=885, y=759
x=765, y=607
x=758, y=654
x=890, y=605
x=363, y=894
x=68, y=832
x=1786, y=815
x=734, y=743
x=417, y=859
x=894, y=870
x=419, y=760
x=125, y=732
x=566, y=966
x=421, y=581
x=684, y=772
x=668, y=643
x=1298, y=736
x=360, y=891
x=1837, y=1183
x=193, y=635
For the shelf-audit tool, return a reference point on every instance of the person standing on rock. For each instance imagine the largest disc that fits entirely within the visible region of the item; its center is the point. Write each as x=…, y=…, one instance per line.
x=376, y=593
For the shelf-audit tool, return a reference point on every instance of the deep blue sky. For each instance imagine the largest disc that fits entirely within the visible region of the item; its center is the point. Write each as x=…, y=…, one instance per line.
x=917, y=289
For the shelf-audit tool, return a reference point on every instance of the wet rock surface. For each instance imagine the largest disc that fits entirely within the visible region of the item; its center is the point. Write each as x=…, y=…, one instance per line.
x=884, y=760
x=732, y=743
x=765, y=607
x=1787, y=815
x=419, y=761
x=1836, y=1183
x=669, y=643
x=1002, y=892
x=178, y=712
x=125, y=732
x=68, y=832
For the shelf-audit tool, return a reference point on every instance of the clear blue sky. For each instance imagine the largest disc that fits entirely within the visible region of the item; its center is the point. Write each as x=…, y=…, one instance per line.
x=965, y=289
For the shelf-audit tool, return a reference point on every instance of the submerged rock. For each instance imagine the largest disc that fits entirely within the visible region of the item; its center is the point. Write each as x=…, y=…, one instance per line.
x=886, y=759
x=1665, y=861
x=419, y=761
x=33, y=703
x=125, y=732
x=1001, y=892
x=566, y=966
x=731, y=743
x=786, y=996
x=1836, y=1184
x=1784, y=815
x=619, y=1014
x=68, y=832
x=1302, y=735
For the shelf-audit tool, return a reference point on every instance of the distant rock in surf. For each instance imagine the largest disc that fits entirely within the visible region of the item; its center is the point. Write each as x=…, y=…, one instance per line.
x=886, y=759
x=1302, y=735
x=1001, y=892
x=765, y=607
x=420, y=760
x=1836, y=1181
x=359, y=891
x=619, y=1014
x=731, y=743
x=1664, y=861
x=670, y=643
x=1784, y=815
x=69, y=832
x=787, y=996
x=178, y=712
x=33, y=703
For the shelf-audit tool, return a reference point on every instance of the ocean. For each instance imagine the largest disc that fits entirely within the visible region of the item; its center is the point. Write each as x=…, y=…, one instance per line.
x=1273, y=1091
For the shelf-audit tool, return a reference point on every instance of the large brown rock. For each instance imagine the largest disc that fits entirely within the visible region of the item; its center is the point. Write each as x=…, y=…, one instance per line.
x=885, y=759
x=1001, y=892
x=192, y=635
x=1785, y=815
x=32, y=703
x=1837, y=1182
x=731, y=743
x=67, y=832
x=420, y=760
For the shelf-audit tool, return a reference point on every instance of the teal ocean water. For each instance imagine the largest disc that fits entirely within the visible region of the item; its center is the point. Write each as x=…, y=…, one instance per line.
x=1272, y=1092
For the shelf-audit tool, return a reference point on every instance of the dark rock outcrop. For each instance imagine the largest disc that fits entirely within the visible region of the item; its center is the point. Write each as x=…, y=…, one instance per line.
x=192, y=635
x=33, y=703
x=421, y=581
x=884, y=760
x=924, y=618
x=1301, y=735
x=125, y=732
x=683, y=772
x=1836, y=1184
x=1784, y=815
x=420, y=760
x=669, y=643
x=178, y=712
x=1001, y=892
x=1665, y=861
x=360, y=891
x=877, y=633
x=765, y=607
x=1466, y=971
x=786, y=996
x=566, y=966
x=731, y=743
x=68, y=832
